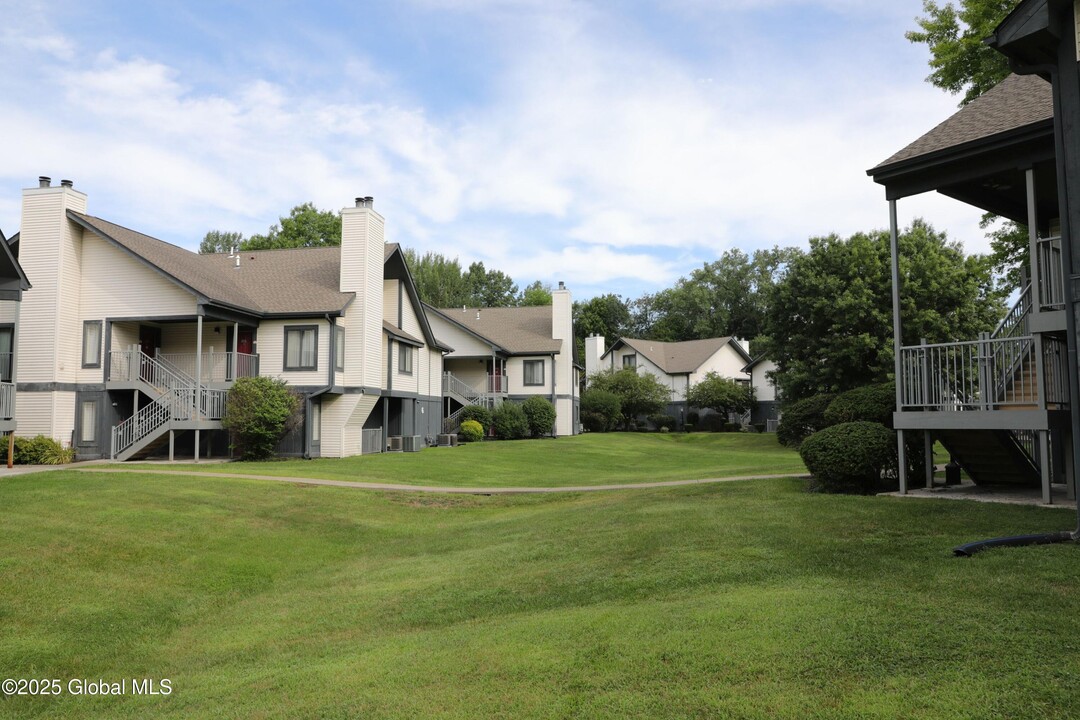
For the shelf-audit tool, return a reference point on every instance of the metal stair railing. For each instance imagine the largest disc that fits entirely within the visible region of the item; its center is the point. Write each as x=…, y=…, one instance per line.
x=461, y=391
x=176, y=401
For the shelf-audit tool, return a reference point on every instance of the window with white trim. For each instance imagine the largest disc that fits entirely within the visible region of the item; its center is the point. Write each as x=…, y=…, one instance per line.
x=404, y=359
x=91, y=344
x=629, y=361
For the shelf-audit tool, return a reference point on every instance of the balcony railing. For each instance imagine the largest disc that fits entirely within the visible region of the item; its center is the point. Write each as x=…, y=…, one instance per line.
x=1048, y=273
x=216, y=366
x=7, y=400
x=985, y=374
x=497, y=384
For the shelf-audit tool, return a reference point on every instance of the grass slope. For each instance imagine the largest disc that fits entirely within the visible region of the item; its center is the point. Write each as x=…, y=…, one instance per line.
x=590, y=459
x=748, y=600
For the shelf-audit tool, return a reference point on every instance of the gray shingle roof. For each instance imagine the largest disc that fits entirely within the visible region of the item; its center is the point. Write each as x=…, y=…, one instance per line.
x=300, y=280
x=675, y=357
x=1015, y=102
x=517, y=330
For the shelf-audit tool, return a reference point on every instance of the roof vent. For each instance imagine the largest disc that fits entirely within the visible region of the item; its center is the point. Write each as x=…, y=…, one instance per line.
x=44, y=181
x=67, y=183
x=478, y=313
x=365, y=202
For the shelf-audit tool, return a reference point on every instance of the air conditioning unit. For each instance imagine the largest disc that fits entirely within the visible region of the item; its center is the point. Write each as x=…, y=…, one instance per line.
x=447, y=439
x=412, y=443
x=395, y=443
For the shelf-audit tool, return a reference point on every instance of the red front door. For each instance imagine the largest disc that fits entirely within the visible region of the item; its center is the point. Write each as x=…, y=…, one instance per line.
x=245, y=342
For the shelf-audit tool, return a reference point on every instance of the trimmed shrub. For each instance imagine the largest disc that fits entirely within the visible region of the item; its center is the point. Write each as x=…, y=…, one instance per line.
x=471, y=431
x=660, y=420
x=850, y=457
x=600, y=410
x=663, y=428
x=38, y=450
x=803, y=418
x=693, y=418
x=732, y=427
x=509, y=422
x=540, y=415
x=258, y=412
x=873, y=403
x=713, y=422
x=479, y=413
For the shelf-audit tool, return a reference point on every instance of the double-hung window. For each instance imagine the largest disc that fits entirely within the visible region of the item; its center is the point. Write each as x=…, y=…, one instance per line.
x=629, y=361
x=301, y=347
x=404, y=357
x=534, y=372
x=339, y=347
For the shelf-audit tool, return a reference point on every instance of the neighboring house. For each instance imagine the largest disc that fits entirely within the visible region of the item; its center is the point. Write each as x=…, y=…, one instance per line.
x=121, y=324
x=766, y=397
x=512, y=354
x=1004, y=404
x=13, y=284
x=678, y=365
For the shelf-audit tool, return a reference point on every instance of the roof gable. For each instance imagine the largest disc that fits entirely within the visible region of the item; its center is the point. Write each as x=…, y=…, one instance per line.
x=515, y=330
x=676, y=358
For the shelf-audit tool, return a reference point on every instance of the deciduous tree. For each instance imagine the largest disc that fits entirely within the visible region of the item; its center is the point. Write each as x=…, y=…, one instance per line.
x=639, y=394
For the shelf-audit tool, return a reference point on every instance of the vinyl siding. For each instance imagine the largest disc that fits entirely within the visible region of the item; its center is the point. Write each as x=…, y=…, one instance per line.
x=390, y=301
x=764, y=389
x=362, y=253
x=515, y=372
x=464, y=344
x=469, y=370
x=725, y=362
x=342, y=421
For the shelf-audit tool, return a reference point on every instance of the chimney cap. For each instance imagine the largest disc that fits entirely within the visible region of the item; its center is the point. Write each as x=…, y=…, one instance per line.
x=44, y=181
x=366, y=201
x=67, y=183
x=562, y=285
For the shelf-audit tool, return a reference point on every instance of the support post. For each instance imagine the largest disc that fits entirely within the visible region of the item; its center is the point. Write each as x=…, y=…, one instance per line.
x=198, y=375
x=11, y=449
x=1033, y=242
x=894, y=249
x=925, y=387
x=172, y=445
x=197, y=445
x=1044, y=466
x=235, y=345
x=929, y=458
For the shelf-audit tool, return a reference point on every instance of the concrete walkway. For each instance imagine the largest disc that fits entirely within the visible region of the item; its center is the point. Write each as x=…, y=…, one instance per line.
x=438, y=489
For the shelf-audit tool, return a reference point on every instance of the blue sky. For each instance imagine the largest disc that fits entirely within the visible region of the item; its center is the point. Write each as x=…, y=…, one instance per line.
x=611, y=145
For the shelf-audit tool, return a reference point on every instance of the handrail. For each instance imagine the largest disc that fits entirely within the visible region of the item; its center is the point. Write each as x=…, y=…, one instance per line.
x=214, y=366
x=985, y=374
x=1015, y=321
x=7, y=400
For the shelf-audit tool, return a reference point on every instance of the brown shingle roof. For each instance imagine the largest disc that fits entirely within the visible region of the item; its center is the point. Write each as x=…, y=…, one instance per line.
x=676, y=357
x=300, y=280
x=1016, y=101
x=517, y=330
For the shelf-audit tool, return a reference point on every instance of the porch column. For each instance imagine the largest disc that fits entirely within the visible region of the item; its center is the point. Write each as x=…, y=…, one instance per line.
x=235, y=345
x=1033, y=241
x=894, y=248
x=172, y=444
x=929, y=458
x=1044, y=465
x=198, y=369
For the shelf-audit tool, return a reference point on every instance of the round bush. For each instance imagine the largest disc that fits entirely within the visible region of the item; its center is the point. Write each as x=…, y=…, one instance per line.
x=509, y=422
x=660, y=420
x=258, y=412
x=873, y=403
x=471, y=431
x=479, y=413
x=601, y=410
x=803, y=418
x=850, y=457
x=540, y=414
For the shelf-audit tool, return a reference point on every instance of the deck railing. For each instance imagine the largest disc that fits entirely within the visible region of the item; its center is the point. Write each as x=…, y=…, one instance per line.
x=1048, y=273
x=7, y=400
x=984, y=374
x=371, y=441
x=215, y=366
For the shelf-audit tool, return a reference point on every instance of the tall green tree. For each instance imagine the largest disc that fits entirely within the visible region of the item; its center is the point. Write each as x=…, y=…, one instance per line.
x=305, y=226
x=439, y=280
x=535, y=293
x=959, y=59
x=829, y=328
x=639, y=394
x=725, y=297
x=490, y=288
x=217, y=241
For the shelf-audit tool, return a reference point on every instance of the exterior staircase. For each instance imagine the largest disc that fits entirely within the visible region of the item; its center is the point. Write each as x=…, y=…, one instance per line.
x=1006, y=371
x=178, y=402
x=466, y=395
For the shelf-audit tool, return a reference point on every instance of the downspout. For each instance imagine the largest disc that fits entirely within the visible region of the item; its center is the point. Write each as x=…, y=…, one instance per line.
x=332, y=349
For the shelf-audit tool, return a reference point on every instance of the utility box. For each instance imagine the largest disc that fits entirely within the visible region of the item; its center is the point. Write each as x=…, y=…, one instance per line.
x=395, y=443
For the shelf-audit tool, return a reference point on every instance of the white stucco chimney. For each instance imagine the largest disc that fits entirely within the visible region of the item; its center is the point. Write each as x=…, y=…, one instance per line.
x=362, y=255
x=594, y=350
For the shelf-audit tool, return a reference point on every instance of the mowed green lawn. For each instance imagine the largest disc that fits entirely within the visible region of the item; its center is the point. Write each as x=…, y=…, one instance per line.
x=745, y=600
x=591, y=459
